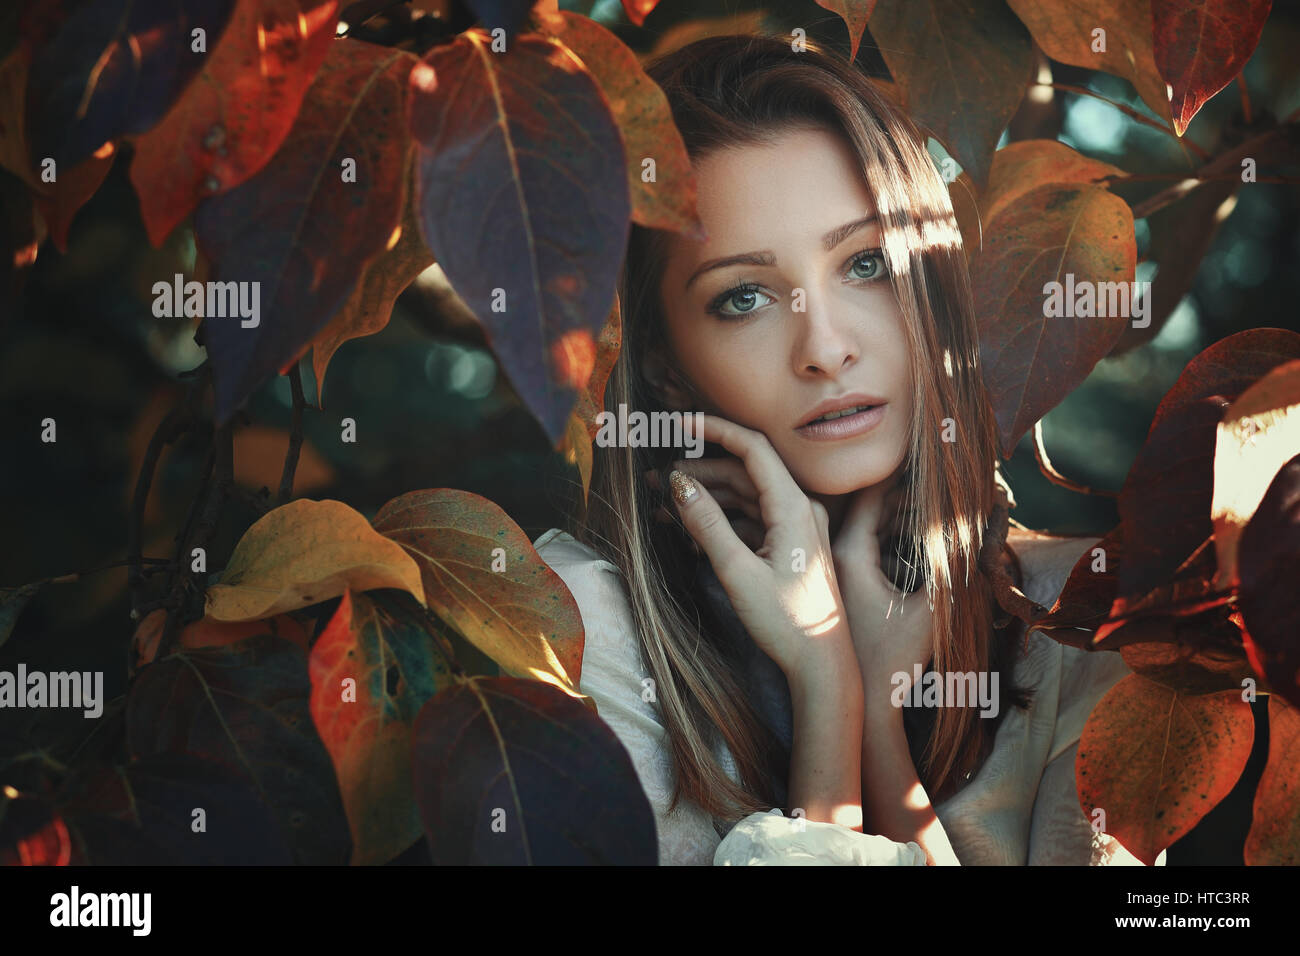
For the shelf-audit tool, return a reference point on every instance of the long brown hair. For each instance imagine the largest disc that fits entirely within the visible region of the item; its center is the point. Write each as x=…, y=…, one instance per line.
x=728, y=91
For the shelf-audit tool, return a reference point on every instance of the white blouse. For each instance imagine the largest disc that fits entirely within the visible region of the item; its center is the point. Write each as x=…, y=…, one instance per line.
x=1020, y=807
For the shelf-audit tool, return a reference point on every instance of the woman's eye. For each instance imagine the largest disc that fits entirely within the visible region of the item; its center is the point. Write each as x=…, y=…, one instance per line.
x=743, y=298
x=871, y=263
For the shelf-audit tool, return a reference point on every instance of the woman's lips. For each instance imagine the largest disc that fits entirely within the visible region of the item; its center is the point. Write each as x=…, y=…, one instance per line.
x=848, y=426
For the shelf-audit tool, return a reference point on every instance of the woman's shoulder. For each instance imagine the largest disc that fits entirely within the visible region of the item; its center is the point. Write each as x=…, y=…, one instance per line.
x=558, y=547
x=597, y=588
x=1046, y=561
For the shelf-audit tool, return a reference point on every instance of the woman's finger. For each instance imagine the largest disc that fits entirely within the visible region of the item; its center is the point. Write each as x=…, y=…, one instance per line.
x=777, y=489
x=720, y=471
x=724, y=490
x=704, y=521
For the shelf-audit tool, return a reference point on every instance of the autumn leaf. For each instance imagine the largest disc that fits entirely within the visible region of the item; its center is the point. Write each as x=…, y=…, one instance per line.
x=305, y=552
x=1191, y=671
x=370, y=675
x=511, y=772
x=644, y=119
x=1067, y=30
x=1200, y=47
x=521, y=163
x=237, y=112
x=245, y=706
x=1259, y=433
x=143, y=813
x=855, y=14
x=57, y=192
x=1274, y=838
x=1157, y=760
x=1269, y=561
x=1032, y=358
x=1166, y=500
x=482, y=576
x=583, y=426
x=305, y=226
x=385, y=277
x=638, y=10
x=1088, y=593
x=962, y=67
x=1020, y=168
x=114, y=68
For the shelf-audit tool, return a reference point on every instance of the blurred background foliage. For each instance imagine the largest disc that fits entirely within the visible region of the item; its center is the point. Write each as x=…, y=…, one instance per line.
x=431, y=406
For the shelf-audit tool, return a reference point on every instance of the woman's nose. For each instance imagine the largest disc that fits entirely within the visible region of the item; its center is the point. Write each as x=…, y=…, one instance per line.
x=826, y=340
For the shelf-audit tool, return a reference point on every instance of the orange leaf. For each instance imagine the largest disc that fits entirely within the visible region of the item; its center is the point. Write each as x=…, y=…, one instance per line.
x=1156, y=761
x=235, y=114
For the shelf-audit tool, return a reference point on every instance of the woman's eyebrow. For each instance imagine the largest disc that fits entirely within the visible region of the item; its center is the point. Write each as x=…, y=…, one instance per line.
x=767, y=258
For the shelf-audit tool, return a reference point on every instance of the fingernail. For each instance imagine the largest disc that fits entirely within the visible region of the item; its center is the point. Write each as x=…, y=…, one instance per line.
x=683, y=486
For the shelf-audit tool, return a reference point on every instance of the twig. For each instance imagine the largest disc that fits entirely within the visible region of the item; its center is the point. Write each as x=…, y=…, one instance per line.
x=1245, y=99
x=214, y=491
x=177, y=421
x=295, y=435
x=1054, y=476
x=1132, y=114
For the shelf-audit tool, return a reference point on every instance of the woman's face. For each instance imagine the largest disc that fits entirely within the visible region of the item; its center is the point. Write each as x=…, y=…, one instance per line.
x=816, y=320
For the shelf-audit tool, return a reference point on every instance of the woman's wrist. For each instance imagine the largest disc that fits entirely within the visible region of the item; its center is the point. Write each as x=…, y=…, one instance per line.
x=827, y=665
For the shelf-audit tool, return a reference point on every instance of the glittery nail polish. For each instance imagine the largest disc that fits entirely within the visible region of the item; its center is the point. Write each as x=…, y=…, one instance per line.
x=683, y=486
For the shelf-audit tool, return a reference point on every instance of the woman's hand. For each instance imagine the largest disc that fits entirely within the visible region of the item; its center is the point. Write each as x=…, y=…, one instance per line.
x=784, y=591
x=890, y=634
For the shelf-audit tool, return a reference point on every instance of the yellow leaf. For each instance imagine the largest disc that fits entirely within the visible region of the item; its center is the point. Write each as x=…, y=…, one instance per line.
x=306, y=552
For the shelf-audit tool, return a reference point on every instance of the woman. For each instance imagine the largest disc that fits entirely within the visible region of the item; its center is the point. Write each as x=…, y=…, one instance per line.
x=753, y=641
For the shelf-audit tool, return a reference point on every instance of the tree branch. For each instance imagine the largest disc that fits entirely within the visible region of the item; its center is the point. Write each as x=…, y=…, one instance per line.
x=295, y=435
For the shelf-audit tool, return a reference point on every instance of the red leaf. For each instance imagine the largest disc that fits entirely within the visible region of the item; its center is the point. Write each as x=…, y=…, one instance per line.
x=1270, y=583
x=1274, y=838
x=1166, y=498
x=391, y=669
x=236, y=113
x=1086, y=598
x=1065, y=31
x=1060, y=233
x=1201, y=45
x=855, y=14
